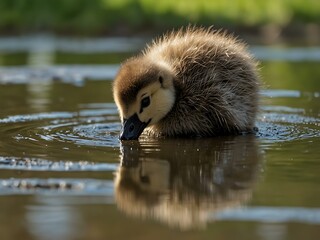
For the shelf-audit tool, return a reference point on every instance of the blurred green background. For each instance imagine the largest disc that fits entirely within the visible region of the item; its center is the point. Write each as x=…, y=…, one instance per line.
x=121, y=17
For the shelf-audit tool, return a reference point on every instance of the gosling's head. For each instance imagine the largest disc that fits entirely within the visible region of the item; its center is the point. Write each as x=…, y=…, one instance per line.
x=144, y=93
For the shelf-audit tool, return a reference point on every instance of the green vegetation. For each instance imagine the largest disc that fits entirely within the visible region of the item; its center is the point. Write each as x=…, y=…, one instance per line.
x=127, y=16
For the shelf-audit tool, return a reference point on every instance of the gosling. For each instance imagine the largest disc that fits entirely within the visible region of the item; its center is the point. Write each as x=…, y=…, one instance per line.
x=195, y=82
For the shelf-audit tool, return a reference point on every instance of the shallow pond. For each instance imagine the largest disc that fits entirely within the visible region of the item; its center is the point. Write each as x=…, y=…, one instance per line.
x=65, y=175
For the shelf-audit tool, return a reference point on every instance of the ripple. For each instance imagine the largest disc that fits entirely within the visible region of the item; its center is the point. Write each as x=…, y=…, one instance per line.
x=282, y=109
x=35, y=117
x=97, y=124
x=289, y=118
x=92, y=125
x=283, y=123
x=271, y=214
x=56, y=186
x=34, y=164
x=279, y=127
x=93, y=128
x=94, y=134
x=273, y=133
x=73, y=74
x=73, y=45
x=280, y=93
x=122, y=44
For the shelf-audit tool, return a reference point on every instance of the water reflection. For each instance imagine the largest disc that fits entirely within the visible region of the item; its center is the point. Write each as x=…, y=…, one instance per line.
x=182, y=182
x=65, y=219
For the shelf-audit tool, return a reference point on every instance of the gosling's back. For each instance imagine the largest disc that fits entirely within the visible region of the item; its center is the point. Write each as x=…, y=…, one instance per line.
x=216, y=83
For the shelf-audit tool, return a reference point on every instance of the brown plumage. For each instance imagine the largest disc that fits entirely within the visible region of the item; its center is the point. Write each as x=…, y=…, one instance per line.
x=193, y=82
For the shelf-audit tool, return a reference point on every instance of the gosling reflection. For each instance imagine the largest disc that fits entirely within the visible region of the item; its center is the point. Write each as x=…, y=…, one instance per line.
x=184, y=181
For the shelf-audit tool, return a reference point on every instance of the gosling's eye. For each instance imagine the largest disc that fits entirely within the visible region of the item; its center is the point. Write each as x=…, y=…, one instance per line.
x=145, y=102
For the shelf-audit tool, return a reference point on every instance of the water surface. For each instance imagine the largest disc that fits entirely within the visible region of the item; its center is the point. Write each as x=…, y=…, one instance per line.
x=65, y=175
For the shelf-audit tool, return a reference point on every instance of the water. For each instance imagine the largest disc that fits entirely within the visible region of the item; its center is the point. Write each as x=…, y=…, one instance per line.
x=65, y=175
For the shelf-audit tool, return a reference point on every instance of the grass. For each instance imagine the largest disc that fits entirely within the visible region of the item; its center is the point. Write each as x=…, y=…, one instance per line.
x=115, y=16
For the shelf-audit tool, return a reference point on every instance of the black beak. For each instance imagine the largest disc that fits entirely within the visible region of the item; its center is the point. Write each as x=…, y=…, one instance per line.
x=132, y=128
